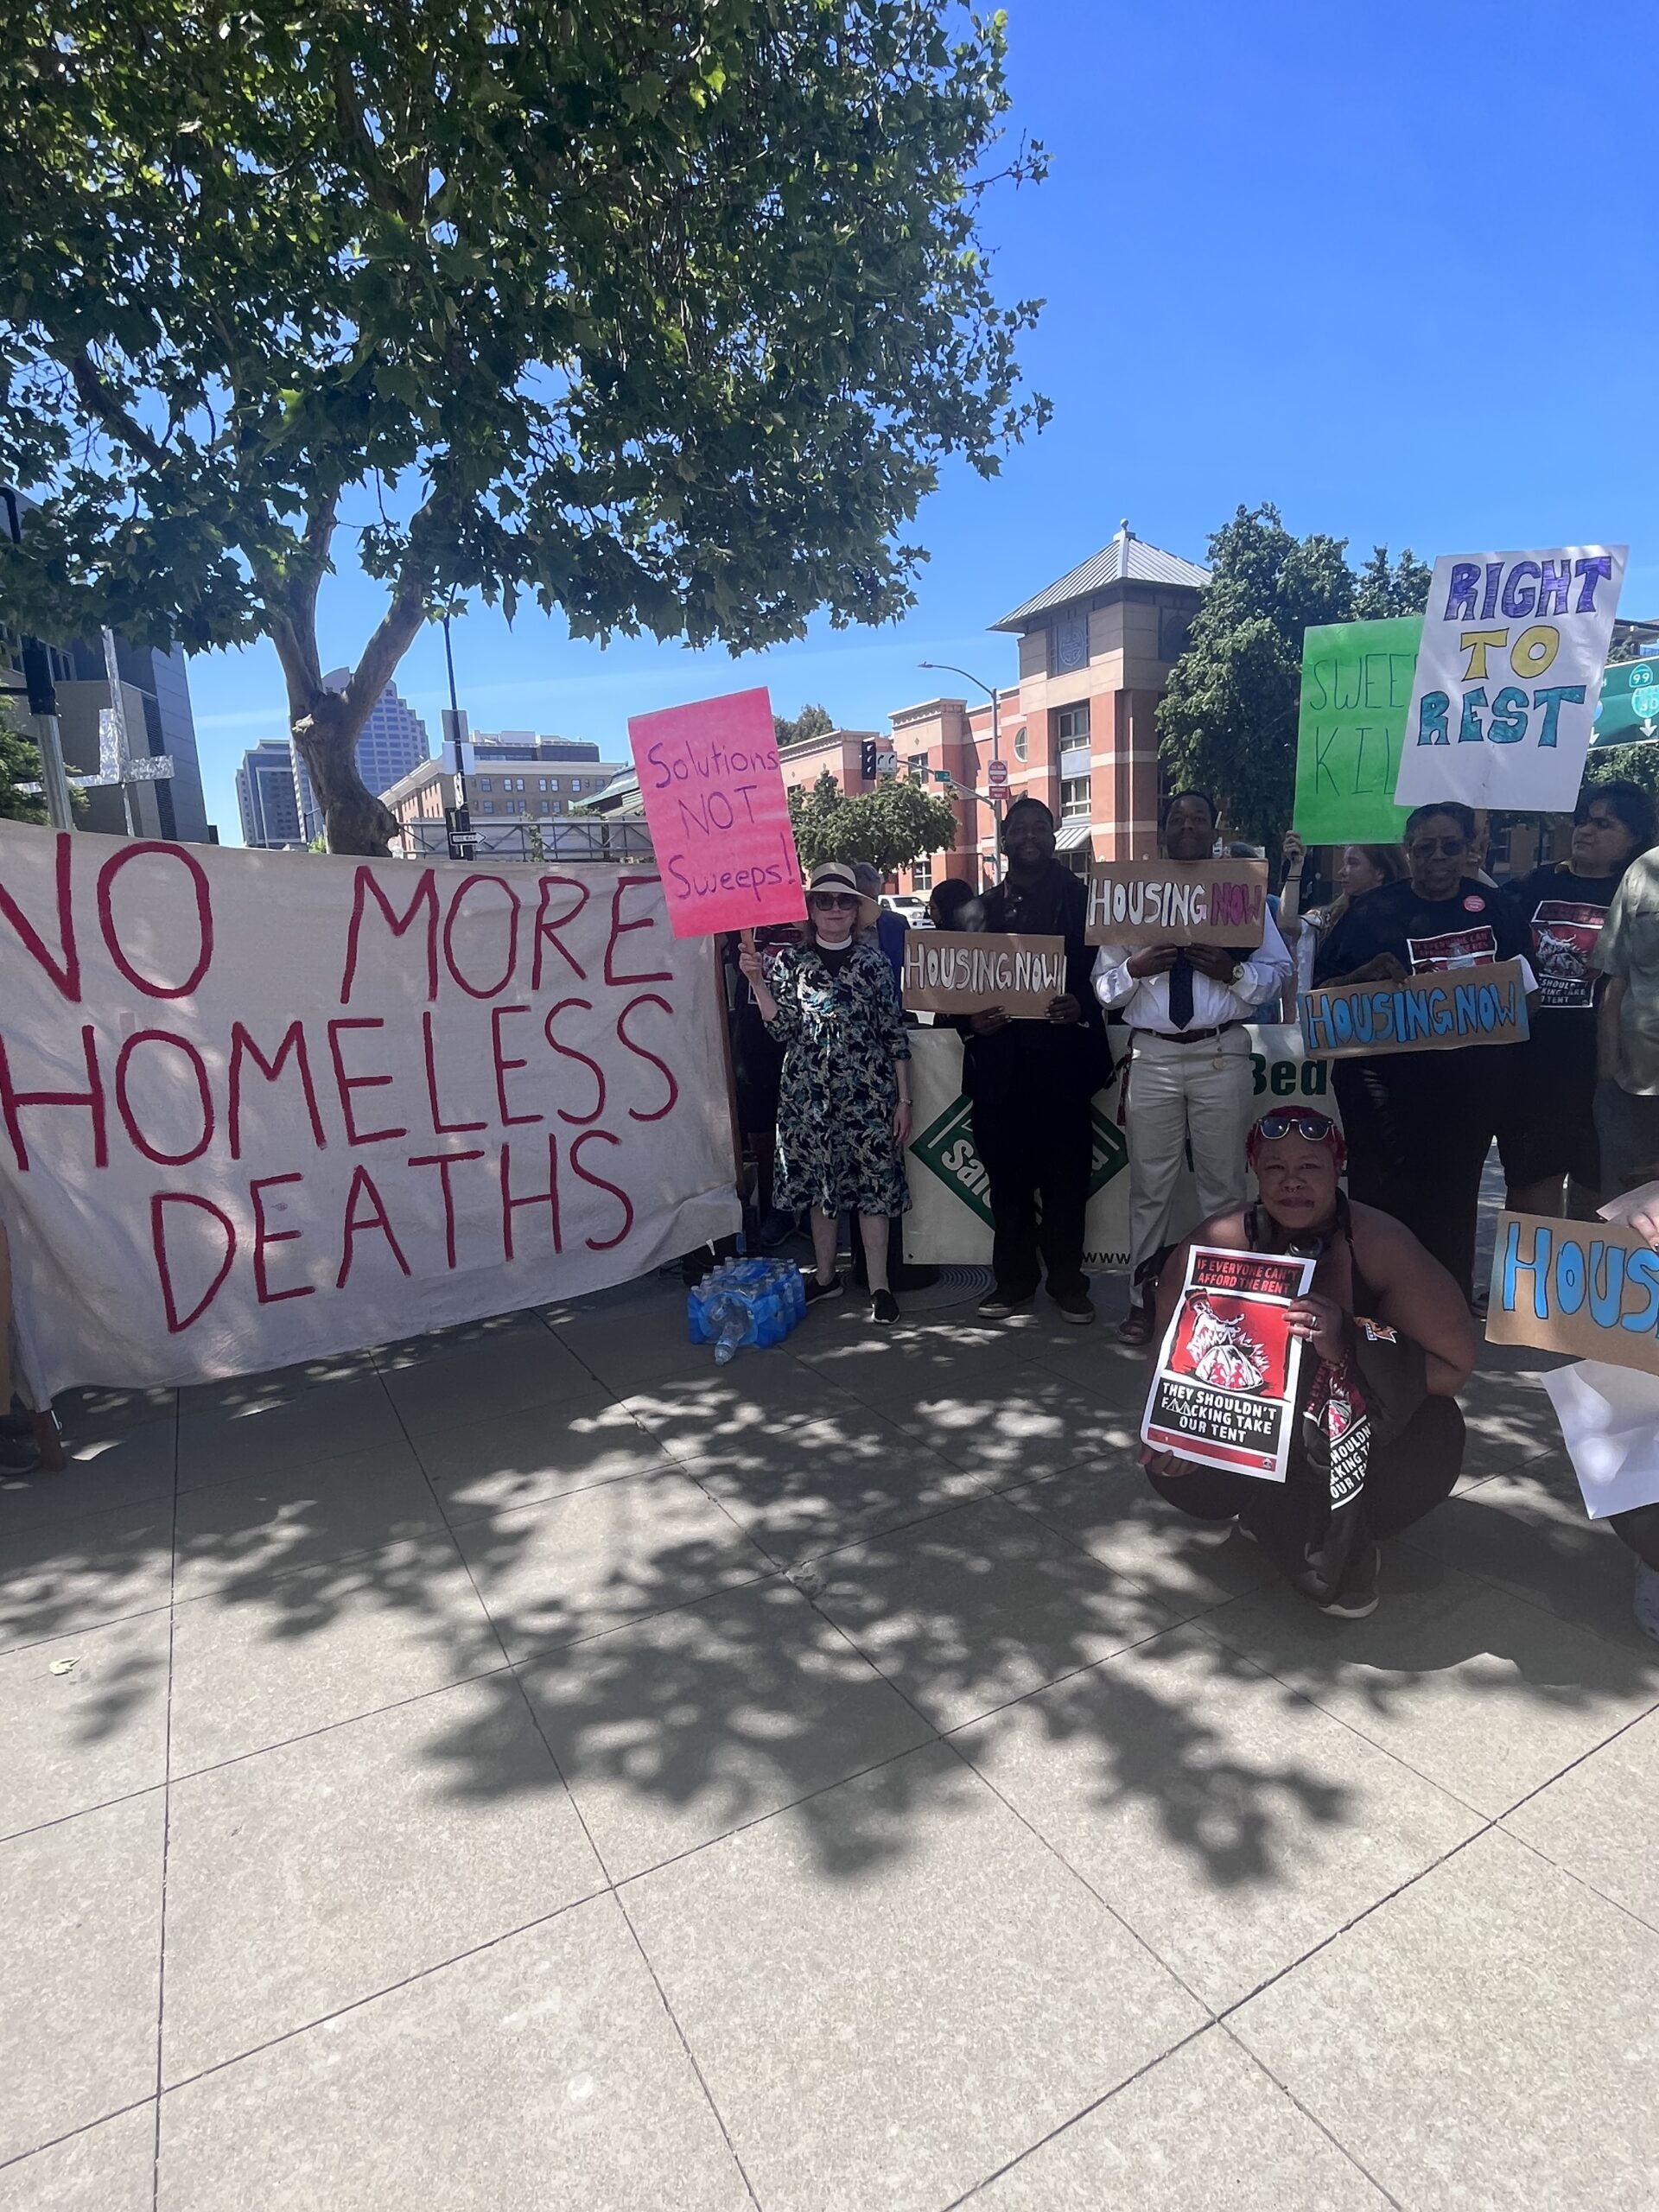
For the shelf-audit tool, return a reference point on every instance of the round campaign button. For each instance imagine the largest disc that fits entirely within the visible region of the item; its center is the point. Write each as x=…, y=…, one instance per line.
x=1473, y=905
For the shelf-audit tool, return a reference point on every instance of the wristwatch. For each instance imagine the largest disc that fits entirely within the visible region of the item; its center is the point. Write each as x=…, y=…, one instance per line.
x=1237, y=975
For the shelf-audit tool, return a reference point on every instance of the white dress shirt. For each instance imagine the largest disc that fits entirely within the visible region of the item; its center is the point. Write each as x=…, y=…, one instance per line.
x=1144, y=1001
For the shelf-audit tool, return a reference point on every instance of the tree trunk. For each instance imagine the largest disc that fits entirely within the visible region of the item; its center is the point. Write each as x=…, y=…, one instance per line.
x=326, y=731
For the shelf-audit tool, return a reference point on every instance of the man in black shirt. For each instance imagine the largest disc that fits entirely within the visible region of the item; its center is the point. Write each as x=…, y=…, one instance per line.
x=1031, y=1082
x=1418, y=1125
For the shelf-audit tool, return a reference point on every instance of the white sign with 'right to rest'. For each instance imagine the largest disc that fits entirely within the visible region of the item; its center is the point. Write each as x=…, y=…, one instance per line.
x=1508, y=676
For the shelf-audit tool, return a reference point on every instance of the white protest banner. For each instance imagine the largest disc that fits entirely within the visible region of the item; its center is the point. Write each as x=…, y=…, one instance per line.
x=256, y=1107
x=949, y=1220
x=1508, y=676
x=713, y=796
x=1178, y=902
x=1223, y=1393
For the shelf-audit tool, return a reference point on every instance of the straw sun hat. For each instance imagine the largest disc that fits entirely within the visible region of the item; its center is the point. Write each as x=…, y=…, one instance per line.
x=837, y=875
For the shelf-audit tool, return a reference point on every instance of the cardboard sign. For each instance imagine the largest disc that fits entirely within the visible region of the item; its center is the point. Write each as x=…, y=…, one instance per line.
x=966, y=971
x=1178, y=902
x=1588, y=1288
x=719, y=815
x=1441, y=1010
x=1356, y=679
x=1224, y=1390
x=1508, y=676
x=263, y=1107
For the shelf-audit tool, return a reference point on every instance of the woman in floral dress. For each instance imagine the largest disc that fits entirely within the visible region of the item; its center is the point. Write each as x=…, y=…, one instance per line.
x=843, y=1104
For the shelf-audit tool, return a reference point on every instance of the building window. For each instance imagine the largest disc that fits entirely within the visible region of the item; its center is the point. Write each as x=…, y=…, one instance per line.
x=541, y=785
x=552, y=783
x=485, y=785
x=575, y=782
x=1021, y=743
x=921, y=876
x=1071, y=725
x=488, y=807
x=1074, y=800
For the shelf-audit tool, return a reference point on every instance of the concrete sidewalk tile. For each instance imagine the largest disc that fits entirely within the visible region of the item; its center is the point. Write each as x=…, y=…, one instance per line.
x=1509, y=1420
x=106, y=1474
x=835, y=1483
x=1015, y=1430
x=104, y=1412
x=277, y=1426
x=83, y=1719
x=276, y=1659
x=542, y=1452
x=979, y=1606
x=1232, y=1825
x=68, y=1576
x=1483, y=1693
x=467, y=1383
x=1206, y=2126
x=82, y=1974
x=737, y=1415
x=894, y=1987
x=1488, y=2039
x=1110, y=1509
x=1119, y=1373
x=574, y=1566
x=276, y=1383
x=305, y=1878
x=893, y=1367
x=540, y=2076
x=1601, y=1820
x=303, y=1514
x=673, y=1730
x=108, y=2168
x=1527, y=1537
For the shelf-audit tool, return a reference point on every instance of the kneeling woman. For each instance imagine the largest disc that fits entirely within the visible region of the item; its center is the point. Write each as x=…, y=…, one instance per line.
x=843, y=1100
x=1390, y=1345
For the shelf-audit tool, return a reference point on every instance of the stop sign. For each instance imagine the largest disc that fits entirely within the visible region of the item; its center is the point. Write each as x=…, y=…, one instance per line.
x=996, y=778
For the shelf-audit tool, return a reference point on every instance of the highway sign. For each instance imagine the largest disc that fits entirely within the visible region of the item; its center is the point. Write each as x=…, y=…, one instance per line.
x=1629, y=703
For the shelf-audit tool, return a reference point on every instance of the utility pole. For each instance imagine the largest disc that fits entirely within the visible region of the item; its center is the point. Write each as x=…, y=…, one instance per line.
x=42, y=701
x=950, y=668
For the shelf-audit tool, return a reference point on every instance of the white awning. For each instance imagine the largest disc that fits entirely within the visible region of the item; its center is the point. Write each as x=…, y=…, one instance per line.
x=1071, y=834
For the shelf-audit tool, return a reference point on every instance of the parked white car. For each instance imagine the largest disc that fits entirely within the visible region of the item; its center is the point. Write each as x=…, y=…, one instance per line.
x=908, y=907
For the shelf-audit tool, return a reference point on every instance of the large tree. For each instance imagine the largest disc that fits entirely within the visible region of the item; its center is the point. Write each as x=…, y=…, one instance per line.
x=1227, y=723
x=893, y=825
x=811, y=722
x=663, y=313
x=20, y=763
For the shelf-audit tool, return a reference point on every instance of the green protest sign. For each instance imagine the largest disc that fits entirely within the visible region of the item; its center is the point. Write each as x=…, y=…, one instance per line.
x=1355, y=689
x=1629, y=714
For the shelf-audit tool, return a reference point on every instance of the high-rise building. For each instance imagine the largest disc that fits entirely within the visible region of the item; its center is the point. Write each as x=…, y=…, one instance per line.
x=392, y=743
x=265, y=795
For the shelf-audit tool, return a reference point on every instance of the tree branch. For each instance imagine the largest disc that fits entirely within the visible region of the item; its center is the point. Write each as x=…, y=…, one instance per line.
x=96, y=399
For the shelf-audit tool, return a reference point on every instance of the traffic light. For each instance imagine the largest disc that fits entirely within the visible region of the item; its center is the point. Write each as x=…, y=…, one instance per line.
x=866, y=759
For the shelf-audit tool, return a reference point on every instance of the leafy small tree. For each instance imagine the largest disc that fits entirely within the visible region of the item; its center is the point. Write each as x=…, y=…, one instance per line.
x=1636, y=764
x=893, y=825
x=811, y=722
x=662, y=313
x=1380, y=590
x=1227, y=722
x=20, y=763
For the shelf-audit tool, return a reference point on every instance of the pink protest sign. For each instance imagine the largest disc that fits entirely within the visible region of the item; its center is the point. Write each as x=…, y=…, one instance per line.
x=719, y=818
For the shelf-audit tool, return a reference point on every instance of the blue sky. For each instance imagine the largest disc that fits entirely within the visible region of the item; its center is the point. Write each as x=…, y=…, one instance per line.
x=1394, y=269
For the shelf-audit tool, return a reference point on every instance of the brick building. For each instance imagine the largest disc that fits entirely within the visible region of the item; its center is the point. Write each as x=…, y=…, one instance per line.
x=1076, y=729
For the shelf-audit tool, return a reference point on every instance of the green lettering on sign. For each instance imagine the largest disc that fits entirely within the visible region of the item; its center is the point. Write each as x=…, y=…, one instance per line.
x=1356, y=690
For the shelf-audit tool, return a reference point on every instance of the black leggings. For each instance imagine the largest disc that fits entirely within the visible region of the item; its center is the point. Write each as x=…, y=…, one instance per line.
x=1416, y=1147
x=1407, y=1480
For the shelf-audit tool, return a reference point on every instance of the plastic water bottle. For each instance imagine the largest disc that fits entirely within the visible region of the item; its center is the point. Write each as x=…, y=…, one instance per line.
x=734, y=1322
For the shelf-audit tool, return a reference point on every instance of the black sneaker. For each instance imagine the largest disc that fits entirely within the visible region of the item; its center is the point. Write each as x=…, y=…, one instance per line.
x=884, y=1307
x=1357, y=1600
x=19, y=1455
x=998, y=1304
x=1076, y=1308
x=813, y=1290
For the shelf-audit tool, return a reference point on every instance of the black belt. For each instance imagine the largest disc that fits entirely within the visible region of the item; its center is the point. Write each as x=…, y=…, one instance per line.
x=1187, y=1036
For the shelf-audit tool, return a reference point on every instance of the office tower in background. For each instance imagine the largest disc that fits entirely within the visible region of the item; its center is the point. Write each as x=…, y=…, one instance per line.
x=393, y=742
x=266, y=797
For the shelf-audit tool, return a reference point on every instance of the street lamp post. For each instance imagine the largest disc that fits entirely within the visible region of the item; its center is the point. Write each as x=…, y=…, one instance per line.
x=951, y=669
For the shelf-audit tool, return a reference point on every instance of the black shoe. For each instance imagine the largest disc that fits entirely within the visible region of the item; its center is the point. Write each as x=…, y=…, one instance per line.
x=997, y=1304
x=884, y=1307
x=1137, y=1325
x=19, y=1455
x=1076, y=1307
x=775, y=1228
x=1357, y=1598
x=813, y=1289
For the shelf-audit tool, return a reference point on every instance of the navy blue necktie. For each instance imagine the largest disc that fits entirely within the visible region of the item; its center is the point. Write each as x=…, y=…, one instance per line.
x=1180, y=991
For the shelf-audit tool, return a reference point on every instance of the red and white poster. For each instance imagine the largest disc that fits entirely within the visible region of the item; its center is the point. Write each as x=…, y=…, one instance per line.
x=1564, y=933
x=1224, y=1391
x=719, y=815
x=262, y=1107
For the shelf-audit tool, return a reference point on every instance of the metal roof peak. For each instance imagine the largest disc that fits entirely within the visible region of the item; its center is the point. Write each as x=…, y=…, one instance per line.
x=1128, y=559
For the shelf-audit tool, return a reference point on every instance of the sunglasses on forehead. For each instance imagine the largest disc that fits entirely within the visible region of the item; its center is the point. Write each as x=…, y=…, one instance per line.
x=1286, y=1122
x=833, y=901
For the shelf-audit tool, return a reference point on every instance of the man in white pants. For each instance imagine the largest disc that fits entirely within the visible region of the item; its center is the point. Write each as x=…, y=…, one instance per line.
x=1189, y=1079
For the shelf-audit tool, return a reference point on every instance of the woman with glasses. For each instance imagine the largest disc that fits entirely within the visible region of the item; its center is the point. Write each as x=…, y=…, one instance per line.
x=1418, y=1125
x=1360, y=869
x=843, y=1098
x=1387, y=1347
x=1546, y=1116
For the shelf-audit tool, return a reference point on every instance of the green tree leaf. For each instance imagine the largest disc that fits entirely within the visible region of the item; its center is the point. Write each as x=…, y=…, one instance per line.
x=893, y=825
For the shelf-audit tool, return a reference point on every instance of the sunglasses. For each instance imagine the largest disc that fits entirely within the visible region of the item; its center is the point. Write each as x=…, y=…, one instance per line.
x=1448, y=847
x=833, y=901
x=1284, y=1122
